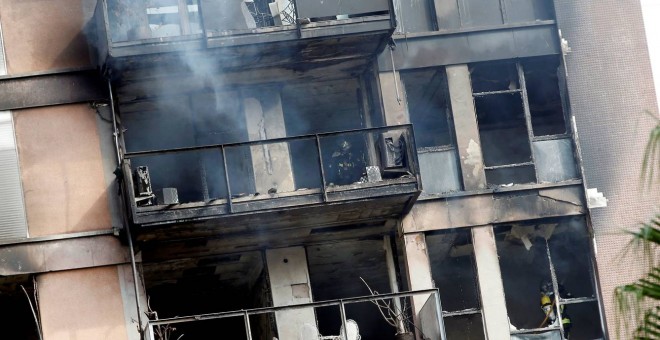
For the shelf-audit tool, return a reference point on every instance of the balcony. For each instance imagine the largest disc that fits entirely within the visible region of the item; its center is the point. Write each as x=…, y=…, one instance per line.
x=325, y=179
x=346, y=319
x=240, y=33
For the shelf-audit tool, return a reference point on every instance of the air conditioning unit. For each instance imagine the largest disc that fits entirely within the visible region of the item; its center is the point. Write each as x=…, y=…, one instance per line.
x=393, y=157
x=144, y=194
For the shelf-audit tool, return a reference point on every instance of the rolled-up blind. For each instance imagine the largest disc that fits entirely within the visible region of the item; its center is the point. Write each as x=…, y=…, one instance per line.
x=13, y=222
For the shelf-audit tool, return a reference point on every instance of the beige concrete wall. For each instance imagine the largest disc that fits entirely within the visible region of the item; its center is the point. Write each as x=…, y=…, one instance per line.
x=271, y=162
x=82, y=304
x=418, y=266
x=61, y=170
x=45, y=35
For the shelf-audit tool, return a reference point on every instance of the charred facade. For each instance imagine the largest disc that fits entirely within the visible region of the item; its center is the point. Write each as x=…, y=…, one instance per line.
x=299, y=169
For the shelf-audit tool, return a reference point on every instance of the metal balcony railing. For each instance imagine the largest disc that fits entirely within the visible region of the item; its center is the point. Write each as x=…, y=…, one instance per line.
x=429, y=323
x=372, y=162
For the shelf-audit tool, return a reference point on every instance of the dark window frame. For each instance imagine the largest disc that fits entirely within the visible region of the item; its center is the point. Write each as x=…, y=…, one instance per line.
x=522, y=91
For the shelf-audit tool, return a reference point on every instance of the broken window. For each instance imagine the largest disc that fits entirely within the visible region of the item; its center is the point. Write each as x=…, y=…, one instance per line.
x=347, y=263
x=430, y=113
x=453, y=269
x=521, y=121
x=209, y=284
x=319, y=107
x=197, y=119
x=414, y=16
x=17, y=307
x=548, y=278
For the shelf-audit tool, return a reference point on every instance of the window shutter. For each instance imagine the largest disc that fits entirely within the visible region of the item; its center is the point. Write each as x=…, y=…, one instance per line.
x=13, y=222
x=12, y=209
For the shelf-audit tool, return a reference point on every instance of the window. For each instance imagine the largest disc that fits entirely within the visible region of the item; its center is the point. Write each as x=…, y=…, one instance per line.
x=453, y=270
x=430, y=113
x=521, y=121
x=541, y=260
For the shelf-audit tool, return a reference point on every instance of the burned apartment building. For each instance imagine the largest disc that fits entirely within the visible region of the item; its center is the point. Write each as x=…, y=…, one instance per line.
x=257, y=169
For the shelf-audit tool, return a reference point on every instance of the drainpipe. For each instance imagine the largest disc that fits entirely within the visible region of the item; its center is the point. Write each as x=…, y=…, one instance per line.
x=129, y=236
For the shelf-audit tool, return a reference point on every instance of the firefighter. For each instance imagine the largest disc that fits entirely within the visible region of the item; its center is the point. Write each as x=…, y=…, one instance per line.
x=549, y=305
x=347, y=166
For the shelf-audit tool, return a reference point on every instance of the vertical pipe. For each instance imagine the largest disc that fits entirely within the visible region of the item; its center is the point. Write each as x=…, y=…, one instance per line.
x=396, y=81
x=115, y=131
x=126, y=223
x=394, y=285
x=528, y=115
x=246, y=319
x=438, y=314
x=323, y=182
x=555, y=288
x=224, y=163
x=151, y=332
x=297, y=18
x=342, y=311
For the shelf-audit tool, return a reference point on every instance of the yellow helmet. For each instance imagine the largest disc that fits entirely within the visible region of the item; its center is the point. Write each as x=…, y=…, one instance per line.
x=545, y=300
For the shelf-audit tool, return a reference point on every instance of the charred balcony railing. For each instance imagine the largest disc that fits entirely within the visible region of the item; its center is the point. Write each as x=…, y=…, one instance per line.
x=396, y=306
x=139, y=27
x=210, y=181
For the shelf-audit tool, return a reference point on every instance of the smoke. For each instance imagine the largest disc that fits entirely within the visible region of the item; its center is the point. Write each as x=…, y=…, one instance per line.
x=196, y=95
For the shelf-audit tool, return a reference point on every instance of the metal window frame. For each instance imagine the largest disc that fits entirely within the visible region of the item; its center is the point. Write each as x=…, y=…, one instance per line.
x=522, y=90
x=449, y=117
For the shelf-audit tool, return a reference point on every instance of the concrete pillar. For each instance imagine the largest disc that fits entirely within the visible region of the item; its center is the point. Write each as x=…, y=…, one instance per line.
x=394, y=99
x=289, y=284
x=465, y=124
x=496, y=322
x=265, y=120
x=418, y=266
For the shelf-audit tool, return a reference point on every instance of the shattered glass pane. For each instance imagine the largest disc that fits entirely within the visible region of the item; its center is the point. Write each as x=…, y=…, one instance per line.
x=545, y=104
x=502, y=129
x=570, y=249
x=428, y=106
x=524, y=266
x=508, y=176
x=585, y=321
x=527, y=278
x=488, y=77
x=453, y=270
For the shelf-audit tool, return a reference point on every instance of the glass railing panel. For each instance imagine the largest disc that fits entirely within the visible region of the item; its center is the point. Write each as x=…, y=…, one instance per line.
x=340, y=9
x=238, y=15
x=131, y=20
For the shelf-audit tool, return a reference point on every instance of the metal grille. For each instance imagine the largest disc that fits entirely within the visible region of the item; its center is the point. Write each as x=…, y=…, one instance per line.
x=13, y=222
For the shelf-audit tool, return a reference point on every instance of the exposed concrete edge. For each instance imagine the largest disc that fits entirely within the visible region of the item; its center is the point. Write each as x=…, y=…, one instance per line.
x=62, y=254
x=56, y=237
x=495, y=208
